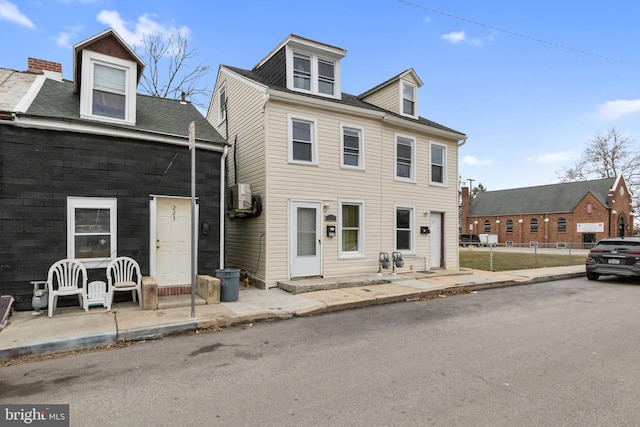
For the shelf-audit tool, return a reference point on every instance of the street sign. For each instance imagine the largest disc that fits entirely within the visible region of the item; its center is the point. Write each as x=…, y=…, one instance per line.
x=192, y=135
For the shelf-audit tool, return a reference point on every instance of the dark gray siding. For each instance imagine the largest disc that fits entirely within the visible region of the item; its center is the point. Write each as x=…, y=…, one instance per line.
x=39, y=169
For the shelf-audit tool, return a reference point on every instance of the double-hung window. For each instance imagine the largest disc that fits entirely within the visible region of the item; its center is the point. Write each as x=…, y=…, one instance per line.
x=326, y=77
x=352, y=147
x=301, y=71
x=108, y=89
x=313, y=72
x=351, y=233
x=533, y=225
x=92, y=230
x=562, y=225
x=438, y=159
x=405, y=158
x=404, y=229
x=509, y=226
x=408, y=99
x=487, y=226
x=302, y=140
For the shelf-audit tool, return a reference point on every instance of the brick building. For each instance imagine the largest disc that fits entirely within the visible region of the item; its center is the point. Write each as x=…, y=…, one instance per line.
x=575, y=214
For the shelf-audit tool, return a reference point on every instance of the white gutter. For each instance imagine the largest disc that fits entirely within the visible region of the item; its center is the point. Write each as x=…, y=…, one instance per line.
x=223, y=160
x=462, y=142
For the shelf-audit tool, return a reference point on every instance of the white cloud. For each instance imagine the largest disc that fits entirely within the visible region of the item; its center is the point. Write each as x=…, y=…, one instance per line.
x=145, y=25
x=454, y=37
x=618, y=108
x=470, y=160
x=63, y=38
x=559, y=157
x=10, y=12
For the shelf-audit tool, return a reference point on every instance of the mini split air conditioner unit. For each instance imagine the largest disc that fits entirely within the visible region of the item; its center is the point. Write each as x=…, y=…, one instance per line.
x=239, y=198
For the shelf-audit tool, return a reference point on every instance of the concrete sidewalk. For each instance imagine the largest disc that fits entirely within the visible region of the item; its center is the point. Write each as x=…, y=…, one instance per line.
x=73, y=329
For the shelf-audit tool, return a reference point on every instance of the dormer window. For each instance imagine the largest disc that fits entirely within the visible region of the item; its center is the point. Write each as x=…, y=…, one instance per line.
x=301, y=71
x=109, y=91
x=408, y=99
x=108, y=88
x=313, y=71
x=326, y=76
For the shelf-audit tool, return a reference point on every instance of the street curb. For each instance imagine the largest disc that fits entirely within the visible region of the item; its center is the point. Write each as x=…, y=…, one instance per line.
x=57, y=346
x=161, y=331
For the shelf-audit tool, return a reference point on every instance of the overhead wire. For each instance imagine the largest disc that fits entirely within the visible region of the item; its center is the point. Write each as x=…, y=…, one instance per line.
x=516, y=34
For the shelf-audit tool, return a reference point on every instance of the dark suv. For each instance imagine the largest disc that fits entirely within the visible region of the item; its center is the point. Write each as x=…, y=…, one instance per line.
x=614, y=256
x=469, y=240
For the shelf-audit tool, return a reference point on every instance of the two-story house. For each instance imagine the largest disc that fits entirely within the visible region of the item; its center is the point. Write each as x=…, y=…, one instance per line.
x=91, y=170
x=322, y=182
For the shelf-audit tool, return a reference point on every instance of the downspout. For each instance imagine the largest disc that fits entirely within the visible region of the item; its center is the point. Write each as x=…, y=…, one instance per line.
x=462, y=142
x=223, y=204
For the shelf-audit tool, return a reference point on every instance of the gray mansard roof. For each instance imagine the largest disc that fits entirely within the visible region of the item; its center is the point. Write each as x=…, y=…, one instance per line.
x=554, y=198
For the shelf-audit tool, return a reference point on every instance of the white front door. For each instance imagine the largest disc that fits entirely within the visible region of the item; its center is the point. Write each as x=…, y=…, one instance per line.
x=436, y=240
x=305, y=239
x=173, y=241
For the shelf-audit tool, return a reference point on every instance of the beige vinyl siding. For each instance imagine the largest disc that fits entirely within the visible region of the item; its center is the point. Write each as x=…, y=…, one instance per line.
x=245, y=238
x=327, y=183
x=387, y=97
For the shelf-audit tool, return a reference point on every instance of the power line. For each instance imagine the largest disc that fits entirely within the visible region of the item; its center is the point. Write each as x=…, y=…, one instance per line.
x=515, y=34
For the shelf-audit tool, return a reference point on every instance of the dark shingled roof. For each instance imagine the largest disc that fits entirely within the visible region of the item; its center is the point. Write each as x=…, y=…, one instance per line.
x=541, y=199
x=347, y=99
x=162, y=116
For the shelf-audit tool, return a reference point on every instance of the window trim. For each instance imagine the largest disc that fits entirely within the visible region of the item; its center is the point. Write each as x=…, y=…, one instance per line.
x=404, y=84
x=412, y=227
x=74, y=203
x=360, y=129
x=444, y=164
x=314, y=76
x=533, y=221
x=89, y=59
x=222, y=112
x=314, y=138
x=361, y=229
x=509, y=225
x=412, y=178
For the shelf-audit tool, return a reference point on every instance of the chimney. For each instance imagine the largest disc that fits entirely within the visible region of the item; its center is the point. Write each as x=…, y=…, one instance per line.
x=50, y=69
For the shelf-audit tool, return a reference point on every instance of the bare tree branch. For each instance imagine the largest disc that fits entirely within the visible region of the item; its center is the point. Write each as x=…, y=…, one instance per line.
x=608, y=155
x=170, y=72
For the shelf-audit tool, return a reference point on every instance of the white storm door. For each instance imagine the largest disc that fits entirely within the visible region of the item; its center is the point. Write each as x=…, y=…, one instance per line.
x=305, y=239
x=173, y=241
x=436, y=240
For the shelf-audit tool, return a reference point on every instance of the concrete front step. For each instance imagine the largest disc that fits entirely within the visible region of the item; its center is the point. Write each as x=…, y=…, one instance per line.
x=178, y=301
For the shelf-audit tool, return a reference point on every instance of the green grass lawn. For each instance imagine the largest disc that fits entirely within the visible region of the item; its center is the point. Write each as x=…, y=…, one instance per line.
x=505, y=261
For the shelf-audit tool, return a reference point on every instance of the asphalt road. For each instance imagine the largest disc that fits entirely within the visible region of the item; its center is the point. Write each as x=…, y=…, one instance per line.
x=550, y=354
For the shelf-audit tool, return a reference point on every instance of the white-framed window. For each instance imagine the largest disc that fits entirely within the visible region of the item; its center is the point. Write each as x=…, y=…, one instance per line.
x=405, y=158
x=222, y=104
x=351, y=228
x=303, y=147
x=404, y=228
x=108, y=90
x=438, y=164
x=351, y=146
x=312, y=72
x=92, y=230
x=408, y=97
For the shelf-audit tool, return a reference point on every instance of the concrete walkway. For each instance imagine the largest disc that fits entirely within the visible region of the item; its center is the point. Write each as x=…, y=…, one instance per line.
x=73, y=329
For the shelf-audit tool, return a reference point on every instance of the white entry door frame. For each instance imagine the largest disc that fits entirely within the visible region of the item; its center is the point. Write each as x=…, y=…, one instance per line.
x=305, y=255
x=170, y=240
x=436, y=240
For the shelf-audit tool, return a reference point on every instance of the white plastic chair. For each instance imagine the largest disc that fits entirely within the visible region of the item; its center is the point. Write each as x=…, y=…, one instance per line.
x=66, y=277
x=123, y=274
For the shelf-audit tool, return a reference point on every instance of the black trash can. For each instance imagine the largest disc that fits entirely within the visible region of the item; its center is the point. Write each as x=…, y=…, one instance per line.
x=229, y=283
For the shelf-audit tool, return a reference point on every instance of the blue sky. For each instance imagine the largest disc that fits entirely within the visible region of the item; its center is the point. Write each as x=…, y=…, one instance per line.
x=530, y=82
